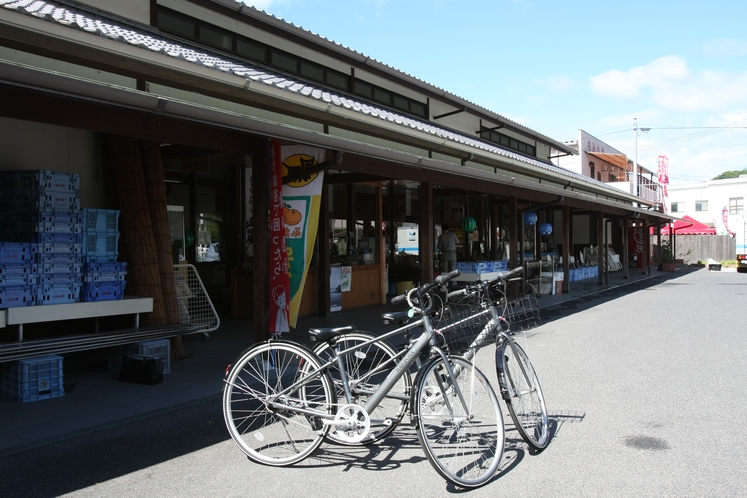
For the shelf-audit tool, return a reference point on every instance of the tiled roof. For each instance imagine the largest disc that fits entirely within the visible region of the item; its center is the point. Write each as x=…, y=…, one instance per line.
x=125, y=33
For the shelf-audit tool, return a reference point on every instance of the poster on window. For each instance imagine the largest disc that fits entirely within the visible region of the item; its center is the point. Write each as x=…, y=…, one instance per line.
x=302, y=198
x=335, y=288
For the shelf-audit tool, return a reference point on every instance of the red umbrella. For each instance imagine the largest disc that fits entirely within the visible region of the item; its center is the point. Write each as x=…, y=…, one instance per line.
x=689, y=226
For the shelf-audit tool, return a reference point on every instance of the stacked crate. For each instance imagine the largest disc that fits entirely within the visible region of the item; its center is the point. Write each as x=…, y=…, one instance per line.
x=41, y=217
x=104, y=279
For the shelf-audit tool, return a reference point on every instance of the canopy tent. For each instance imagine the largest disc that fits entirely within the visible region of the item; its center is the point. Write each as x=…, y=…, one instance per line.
x=689, y=226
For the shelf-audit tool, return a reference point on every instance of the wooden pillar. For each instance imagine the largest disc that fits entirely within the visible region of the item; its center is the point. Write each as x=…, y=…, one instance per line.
x=513, y=231
x=156, y=190
x=567, y=252
x=144, y=277
x=425, y=242
x=350, y=217
x=626, y=247
x=380, y=240
x=261, y=230
x=600, y=247
x=322, y=265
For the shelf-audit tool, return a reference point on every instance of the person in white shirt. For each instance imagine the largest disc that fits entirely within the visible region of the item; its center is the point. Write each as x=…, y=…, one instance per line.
x=447, y=243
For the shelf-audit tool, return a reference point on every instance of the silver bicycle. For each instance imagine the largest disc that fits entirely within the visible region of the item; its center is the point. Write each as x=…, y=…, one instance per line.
x=280, y=399
x=465, y=321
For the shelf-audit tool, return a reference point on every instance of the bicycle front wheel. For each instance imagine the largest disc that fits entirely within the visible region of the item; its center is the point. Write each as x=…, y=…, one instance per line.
x=521, y=390
x=365, y=369
x=269, y=412
x=459, y=426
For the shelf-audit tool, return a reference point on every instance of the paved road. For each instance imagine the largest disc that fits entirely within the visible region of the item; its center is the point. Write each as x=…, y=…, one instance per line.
x=646, y=393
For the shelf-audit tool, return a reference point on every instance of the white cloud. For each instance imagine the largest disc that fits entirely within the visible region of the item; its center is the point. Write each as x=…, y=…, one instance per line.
x=558, y=84
x=659, y=74
x=726, y=48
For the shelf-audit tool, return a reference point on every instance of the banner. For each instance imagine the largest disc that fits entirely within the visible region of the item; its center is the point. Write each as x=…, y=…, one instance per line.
x=663, y=163
x=279, y=283
x=301, y=201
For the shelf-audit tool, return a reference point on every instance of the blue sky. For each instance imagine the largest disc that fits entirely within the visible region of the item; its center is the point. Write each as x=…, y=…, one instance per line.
x=554, y=66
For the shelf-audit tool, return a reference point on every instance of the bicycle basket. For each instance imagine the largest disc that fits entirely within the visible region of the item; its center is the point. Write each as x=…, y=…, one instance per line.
x=462, y=322
x=522, y=314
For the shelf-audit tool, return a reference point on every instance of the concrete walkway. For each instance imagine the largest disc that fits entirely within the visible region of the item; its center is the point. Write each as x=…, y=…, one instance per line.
x=95, y=399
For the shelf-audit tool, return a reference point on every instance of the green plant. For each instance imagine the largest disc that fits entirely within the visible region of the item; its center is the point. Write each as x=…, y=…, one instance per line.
x=666, y=252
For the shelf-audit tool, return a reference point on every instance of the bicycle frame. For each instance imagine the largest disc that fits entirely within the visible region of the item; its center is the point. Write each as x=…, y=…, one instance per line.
x=410, y=355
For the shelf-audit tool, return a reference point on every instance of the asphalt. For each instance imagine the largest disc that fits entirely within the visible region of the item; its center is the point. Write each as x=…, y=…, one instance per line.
x=96, y=399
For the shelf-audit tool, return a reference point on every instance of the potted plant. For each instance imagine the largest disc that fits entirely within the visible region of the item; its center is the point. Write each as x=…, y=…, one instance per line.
x=667, y=257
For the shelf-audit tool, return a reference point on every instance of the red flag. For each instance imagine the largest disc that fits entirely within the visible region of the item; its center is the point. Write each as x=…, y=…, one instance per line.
x=279, y=279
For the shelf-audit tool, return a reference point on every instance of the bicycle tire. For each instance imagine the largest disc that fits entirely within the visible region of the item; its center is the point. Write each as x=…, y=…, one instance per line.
x=268, y=435
x=376, y=358
x=465, y=450
x=522, y=394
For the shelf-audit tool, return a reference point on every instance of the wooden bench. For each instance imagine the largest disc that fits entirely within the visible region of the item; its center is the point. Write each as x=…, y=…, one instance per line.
x=22, y=349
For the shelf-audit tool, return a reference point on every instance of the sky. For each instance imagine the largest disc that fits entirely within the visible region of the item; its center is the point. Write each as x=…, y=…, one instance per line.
x=678, y=67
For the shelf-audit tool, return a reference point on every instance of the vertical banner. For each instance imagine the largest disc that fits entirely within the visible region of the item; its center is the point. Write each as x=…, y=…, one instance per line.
x=302, y=199
x=279, y=278
x=663, y=163
x=725, y=221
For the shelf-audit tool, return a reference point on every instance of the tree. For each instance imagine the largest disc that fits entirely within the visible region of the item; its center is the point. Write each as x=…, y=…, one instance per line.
x=730, y=174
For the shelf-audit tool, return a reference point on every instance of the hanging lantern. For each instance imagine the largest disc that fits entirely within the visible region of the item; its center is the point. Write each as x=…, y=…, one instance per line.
x=469, y=224
x=530, y=218
x=545, y=229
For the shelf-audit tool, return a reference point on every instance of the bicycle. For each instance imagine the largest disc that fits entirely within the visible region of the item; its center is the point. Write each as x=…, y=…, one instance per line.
x=471, y=319
x=280, y=402
x=517, y=379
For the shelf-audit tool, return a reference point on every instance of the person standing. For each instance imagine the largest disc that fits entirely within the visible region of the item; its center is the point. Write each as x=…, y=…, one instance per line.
x=447, y=243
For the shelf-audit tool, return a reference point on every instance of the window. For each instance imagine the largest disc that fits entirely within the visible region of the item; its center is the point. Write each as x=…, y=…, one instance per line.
x=701, y=205
x=251, y=50
x=216, y=37
x=591, y=169
x=177, y=24
x=508, y=142
x=678, y=207
x=736, y=205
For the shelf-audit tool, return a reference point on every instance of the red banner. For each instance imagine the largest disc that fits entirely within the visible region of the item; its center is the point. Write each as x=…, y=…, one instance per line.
x=279, y=279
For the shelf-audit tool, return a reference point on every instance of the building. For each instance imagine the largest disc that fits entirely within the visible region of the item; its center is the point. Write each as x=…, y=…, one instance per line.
x=716, y=203
x=197, y=90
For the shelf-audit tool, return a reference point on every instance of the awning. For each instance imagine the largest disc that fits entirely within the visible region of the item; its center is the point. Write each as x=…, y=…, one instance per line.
x=619, y=160
x=689, y=226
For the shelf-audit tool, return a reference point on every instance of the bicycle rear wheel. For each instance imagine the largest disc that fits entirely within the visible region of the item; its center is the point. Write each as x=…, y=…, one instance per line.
x=259, y=410
x=463, y=442
x=365, y=369
x=521, y=390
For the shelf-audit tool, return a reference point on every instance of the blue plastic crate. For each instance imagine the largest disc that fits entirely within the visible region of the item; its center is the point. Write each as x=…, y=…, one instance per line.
x=52, y=181
x=56, y=238
x=100, y=220
x=156, y=348
x=41, y=227
x=39, y=200
x=101, y=244
x=58, y=293
x=60, y=278
x=115, y=266
x=100, y=259
x=46, y=268
x=19, y=269
x=14, y=297
x=60, y=248
x=33, y=379
x=54, y=258
x=17, y=252
x=102, y=291
x=18, y=280
x=104, y=276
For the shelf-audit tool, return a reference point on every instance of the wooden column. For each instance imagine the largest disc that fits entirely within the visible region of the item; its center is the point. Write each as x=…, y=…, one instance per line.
x=261, y=230
x=600, y=247
x=567, y=227
x=144, y=276
x=626, y=247
x=380, y=240
x=513, y=233
x=425, y=242
x=322, y=259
